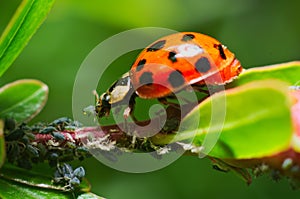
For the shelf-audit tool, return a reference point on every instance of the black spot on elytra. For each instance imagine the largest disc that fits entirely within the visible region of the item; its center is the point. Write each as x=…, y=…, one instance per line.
x=146, y=78
x=176, y=78
x=203, y=65
x=156, y=46
x=140, y=65
x=172, y=56
x=187, y=37
x=221, y=50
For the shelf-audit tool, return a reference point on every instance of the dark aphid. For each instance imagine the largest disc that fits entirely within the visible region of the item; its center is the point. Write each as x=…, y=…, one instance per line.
x=13, y=152
x=66, y=169
x=79, y=172
x=48, y=130
x=24, y=127
x=61, y=121
x=37, y=128
x=58, y=136
x=82, y=150
x=53, y=156
x=30, y=136
x=42, y=149
x=25, y=140
x=15, y=135
x=10, y=124
x=32, y=151
x=53, y=159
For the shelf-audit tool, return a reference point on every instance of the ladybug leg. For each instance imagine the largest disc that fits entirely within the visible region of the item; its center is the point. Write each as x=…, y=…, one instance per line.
x=164, y=101
x=127, y=113
x=200, y=89
x=129, y=110
x=208, y=89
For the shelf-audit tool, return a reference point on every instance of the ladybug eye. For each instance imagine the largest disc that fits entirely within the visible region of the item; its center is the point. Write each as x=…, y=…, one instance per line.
x=221, y=50
x=105, y=97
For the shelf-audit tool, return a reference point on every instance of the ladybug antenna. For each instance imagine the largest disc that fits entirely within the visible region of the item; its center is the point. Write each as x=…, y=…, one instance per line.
x=96, y=94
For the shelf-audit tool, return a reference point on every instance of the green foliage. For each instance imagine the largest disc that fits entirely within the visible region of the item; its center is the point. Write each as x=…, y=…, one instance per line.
x=248, y=125
x=27, y=19
x=288, y=72
x=257, y=115
x=22, y=99
x=257, y=126
x=2, y=143
x=11, y=190
x=133, y=14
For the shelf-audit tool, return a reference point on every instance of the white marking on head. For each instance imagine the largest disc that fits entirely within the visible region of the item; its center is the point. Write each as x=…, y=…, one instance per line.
x=119, y=92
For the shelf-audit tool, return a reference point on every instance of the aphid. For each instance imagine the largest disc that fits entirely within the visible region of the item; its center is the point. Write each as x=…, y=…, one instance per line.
x=10, y=124
x=58, y=136
x=48, y=130
x=33, y=151
x=15, y=135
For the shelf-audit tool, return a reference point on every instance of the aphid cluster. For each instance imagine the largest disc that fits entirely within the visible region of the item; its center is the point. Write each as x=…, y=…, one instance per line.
x=67, y=177
x=57, y=142
x=54, y=142
x=19, y=149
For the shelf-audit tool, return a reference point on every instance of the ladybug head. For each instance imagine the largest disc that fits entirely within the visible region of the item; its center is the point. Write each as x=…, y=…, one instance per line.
x=103, y=105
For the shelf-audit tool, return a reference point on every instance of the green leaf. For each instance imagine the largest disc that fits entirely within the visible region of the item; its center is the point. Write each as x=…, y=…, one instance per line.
x=16, y=183
x=257, y=121
x=2, y=144
x=288, y=72
x=22, y=99
x=12, y=190
x=89, y=196
x=28, y=177
x=27, y=19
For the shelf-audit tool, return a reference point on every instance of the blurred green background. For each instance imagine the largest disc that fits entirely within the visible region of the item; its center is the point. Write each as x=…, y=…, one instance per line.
x=260, y=32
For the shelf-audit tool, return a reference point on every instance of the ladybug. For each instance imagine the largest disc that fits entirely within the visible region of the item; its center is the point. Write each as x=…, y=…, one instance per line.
x=169, y=65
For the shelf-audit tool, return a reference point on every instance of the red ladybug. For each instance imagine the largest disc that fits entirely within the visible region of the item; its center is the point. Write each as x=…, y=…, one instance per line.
x=169, y=65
